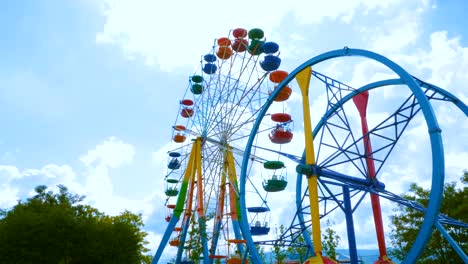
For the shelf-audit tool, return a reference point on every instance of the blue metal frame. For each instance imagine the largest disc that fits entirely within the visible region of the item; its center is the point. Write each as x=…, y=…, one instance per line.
x=165, y=238
x=350, y=225
x=434, y=134
x=182, y=238
x=452, y=242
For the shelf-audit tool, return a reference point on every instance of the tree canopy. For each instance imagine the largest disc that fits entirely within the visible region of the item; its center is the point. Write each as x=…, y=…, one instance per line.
x=406, y=222
x=58, y=228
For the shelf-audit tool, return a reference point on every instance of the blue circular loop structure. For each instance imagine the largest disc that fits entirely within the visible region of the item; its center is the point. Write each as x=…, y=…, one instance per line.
x=355, y=151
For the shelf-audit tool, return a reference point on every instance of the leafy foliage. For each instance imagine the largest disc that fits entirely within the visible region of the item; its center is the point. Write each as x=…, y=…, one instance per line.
x=330, y=241
x=278, y=248
x=261, y=252
x=406, y=222
x=57, y=228
x=299, y=249
x=194, y=243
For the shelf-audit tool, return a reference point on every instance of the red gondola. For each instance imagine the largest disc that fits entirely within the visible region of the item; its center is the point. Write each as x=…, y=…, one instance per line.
x=186, y=112
x=279, y=136
x=240, y=45
x=281, y=117
x=179, y=128
x=187, y=102
x=236, y=260
x=239, y=33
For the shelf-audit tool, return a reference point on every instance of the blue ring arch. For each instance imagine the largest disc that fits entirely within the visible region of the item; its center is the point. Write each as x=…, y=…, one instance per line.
x=438, y=163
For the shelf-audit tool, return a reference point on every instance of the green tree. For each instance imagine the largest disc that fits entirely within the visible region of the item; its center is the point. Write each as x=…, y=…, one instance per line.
x=278, y=248
x=194, y=243
x=58, y=228
x=261, y=252
x=330, y=241
x=407, y=221
x=299, y=249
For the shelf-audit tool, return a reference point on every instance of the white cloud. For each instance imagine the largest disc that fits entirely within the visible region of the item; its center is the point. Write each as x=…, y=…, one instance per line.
x=100, y=163
x=112, y=153
x=172, y=36
x=397, y=33
x=8, y=196
x=8, y=172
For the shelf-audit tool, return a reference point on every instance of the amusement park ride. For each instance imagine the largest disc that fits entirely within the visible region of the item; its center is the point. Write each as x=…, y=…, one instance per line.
x=227, y=168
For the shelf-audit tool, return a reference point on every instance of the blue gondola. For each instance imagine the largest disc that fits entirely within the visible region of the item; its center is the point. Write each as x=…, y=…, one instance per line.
x=209, y=58
x=259, y=228
x=258, y=209
x=174, y=163
x=270, y=47
x=209, y=68
x=270, y=63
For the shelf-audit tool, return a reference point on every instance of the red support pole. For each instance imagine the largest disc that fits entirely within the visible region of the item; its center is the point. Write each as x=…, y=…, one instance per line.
x=360, y=101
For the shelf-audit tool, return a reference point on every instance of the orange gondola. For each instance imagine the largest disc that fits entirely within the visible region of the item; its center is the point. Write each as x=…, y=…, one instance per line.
x=224, y=52
x=179, y=136
x=278, y=76
x=174, y=242
x=224, y=41
x=283, y=95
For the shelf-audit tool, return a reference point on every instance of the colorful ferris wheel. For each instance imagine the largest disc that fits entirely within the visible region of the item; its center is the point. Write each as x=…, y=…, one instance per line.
x=216, y=115
x=239, y=138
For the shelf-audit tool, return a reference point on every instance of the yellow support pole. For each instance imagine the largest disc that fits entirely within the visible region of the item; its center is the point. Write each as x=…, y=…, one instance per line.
x=303, y=79
x=188, y=176
x=233, y=187
x=198, y=177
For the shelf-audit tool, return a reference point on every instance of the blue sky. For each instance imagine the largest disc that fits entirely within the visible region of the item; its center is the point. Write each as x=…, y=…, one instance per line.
x=89, y=89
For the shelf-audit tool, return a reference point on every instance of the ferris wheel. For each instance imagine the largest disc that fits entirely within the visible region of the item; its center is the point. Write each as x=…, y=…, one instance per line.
x=239, y=141
x=216, y=115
